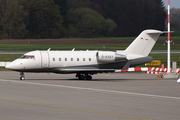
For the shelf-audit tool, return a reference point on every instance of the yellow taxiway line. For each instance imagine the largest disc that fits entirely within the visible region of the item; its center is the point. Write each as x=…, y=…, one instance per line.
x=42, y=105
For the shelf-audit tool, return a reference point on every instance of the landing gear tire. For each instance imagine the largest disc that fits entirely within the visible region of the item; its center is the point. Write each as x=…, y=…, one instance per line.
x=89, y=77
x=22, y=78
x=81, y=77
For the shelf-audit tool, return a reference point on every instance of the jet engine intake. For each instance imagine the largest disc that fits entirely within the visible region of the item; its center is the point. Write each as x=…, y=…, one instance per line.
x=108, y=57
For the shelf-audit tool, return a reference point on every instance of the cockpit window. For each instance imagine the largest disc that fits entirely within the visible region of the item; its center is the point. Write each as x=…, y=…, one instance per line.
x=23, y=57
x=27, y=57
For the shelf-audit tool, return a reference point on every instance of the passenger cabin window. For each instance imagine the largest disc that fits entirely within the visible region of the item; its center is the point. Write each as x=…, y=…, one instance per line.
x=71, y=59
x=83, y=59
x=65, y=59
x=77, y=59
x=59, y=59
x=27, y=57
x=53, y=59
x=89, y=59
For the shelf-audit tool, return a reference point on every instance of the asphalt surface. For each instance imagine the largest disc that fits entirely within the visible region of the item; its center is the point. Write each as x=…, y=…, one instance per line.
x=115, y=96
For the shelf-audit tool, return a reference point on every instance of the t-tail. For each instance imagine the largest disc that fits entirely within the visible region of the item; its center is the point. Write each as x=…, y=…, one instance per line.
x=144, y=43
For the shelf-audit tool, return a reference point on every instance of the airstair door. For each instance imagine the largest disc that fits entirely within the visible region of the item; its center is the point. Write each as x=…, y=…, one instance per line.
x=44, y=59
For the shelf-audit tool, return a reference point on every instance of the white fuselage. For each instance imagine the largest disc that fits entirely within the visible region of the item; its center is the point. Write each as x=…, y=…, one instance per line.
x=44, y=61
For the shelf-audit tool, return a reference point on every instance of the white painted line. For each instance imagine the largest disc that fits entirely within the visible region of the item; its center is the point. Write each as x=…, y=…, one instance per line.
x=92, y=89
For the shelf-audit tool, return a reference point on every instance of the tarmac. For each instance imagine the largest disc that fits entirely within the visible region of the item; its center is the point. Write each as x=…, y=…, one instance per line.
x=113, y=96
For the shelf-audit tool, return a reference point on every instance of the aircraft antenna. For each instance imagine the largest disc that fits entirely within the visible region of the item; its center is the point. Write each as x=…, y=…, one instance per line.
x=49, y=49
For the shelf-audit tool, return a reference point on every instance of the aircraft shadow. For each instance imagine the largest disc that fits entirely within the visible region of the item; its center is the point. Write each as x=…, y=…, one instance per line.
x=93, y=79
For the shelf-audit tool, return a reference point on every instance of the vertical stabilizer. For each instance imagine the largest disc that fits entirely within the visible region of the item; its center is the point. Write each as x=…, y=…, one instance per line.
x=144, y=43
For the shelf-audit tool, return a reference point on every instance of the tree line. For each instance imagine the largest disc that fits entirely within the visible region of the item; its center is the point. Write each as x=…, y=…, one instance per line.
x=79, y=18
x=175, y=19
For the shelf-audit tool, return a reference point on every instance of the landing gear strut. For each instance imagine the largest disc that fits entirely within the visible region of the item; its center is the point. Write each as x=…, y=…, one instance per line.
x=84, y=76
x=22, y=76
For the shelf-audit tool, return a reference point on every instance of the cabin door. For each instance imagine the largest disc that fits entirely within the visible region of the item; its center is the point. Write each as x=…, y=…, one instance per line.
x=44, y=59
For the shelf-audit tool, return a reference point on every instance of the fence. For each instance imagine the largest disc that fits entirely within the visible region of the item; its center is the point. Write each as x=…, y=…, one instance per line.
x=3, y=64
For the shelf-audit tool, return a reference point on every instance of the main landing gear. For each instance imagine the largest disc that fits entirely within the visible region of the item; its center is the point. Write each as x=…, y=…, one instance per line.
x=22, y=76
x=84, y=76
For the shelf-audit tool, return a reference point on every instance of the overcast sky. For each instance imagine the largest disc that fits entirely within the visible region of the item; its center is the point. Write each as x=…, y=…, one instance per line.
x=173, y=3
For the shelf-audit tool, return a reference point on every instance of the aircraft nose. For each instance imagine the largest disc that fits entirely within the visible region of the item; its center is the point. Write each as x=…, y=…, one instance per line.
x=14, y=66
x=8, y=66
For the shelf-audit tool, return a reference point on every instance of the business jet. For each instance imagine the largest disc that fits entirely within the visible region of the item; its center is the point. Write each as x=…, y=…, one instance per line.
x=87, y=63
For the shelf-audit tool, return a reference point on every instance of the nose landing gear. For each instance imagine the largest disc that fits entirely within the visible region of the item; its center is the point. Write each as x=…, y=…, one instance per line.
x=22, y=76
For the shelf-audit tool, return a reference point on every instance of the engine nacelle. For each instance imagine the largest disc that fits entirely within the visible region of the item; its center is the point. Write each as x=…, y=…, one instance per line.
x=108, y=57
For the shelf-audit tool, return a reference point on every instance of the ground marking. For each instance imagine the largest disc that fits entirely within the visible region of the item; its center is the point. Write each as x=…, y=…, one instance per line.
x=92, y=89
x=42, y=105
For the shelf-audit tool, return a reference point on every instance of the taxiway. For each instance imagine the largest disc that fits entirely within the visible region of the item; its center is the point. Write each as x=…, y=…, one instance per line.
x=116, y=96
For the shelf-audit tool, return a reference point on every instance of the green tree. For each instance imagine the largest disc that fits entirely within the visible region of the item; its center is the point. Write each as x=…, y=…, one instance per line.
x=62, y=6
x=12, y=18
x=133, y=16
x=85, y=22
x=45, y=20
x=175, y=19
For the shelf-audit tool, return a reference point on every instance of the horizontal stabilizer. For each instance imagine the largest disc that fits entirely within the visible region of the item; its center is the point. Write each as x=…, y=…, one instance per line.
x=154, y=32
x=167, y=31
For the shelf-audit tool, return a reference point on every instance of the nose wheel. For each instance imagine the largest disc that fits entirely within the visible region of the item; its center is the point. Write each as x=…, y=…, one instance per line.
x=22, y=76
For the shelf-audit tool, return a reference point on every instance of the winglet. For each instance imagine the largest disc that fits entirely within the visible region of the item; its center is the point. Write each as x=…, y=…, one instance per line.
x=127, y=65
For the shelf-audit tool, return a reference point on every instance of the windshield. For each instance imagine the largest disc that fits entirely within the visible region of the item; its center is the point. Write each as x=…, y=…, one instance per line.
x=27, y=57
x=22, y=57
